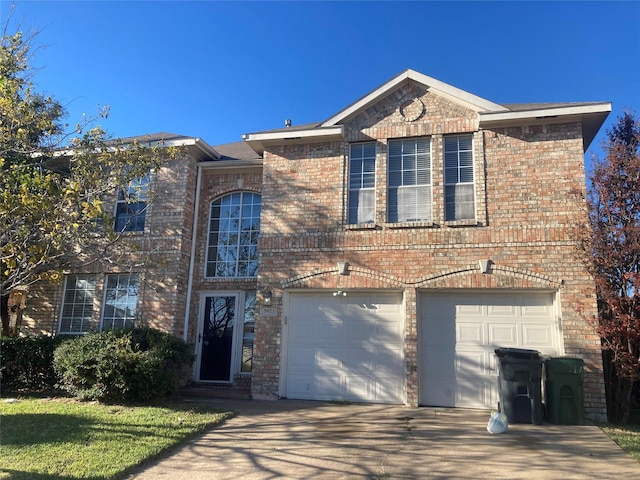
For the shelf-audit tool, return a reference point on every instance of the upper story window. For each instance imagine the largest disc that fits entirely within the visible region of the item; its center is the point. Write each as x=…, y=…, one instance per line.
x=362, y=183
x=409, y=180
x=131, y=206
x=458, y=177
x=234, y=227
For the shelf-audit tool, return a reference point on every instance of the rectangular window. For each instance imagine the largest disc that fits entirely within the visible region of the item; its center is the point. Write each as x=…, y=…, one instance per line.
x=248, y=331
x=362, y=183
x=120, y=300
x=409, y=180
x=131, y=206
x=458, y=178
x=77, y=305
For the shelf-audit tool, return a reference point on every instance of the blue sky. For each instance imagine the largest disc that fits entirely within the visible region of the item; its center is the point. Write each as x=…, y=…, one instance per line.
x=216, y=70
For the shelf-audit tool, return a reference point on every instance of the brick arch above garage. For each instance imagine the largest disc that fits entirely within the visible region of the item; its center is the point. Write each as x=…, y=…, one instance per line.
x=497, y=276
x=356, y=277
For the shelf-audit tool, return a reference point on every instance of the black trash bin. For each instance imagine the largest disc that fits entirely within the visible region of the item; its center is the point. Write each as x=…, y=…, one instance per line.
x=563, y=390
x=520, y=384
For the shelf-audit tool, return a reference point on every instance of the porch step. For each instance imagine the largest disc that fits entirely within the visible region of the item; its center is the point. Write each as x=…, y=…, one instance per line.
x=215, y=391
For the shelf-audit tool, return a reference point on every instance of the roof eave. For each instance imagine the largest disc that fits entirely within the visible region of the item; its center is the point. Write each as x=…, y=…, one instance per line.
x=591, y=117
x=231, y=164
x=258, y=141
x=201, y=149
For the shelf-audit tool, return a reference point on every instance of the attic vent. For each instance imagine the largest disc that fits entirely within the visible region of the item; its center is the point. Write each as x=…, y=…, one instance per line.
x=287, y=122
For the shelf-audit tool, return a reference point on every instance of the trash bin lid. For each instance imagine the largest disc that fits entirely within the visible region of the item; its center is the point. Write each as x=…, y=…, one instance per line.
x=520, y=353
x=564, y=365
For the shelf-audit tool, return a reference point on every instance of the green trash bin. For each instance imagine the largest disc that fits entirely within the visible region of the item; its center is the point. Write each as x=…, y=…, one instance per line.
x=563, y=389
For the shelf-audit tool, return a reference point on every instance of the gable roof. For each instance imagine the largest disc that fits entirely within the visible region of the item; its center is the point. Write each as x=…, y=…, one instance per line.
x=458, y=96
x=591, y=114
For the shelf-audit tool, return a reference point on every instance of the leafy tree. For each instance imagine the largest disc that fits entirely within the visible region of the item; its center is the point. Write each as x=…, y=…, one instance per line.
x=614, y=248
x=55, y=180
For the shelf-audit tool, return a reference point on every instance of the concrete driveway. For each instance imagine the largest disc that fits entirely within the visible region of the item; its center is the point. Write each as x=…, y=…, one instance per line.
x=315, y=440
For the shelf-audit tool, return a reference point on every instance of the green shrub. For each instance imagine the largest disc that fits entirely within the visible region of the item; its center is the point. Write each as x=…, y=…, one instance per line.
x=26, y=363
x=133, y=365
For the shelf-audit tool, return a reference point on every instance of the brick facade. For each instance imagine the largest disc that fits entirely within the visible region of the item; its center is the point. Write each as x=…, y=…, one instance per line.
x=528, y=184
x=529, y=188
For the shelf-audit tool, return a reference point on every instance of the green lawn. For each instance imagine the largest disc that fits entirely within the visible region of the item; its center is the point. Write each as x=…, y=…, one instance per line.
x=60, y=438
x=627, y=436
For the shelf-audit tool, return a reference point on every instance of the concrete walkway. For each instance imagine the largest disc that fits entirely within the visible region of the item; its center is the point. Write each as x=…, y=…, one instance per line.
x=291, y=439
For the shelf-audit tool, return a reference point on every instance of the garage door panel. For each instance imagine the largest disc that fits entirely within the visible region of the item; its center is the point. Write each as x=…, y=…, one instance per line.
x=438, y=333
x=386, y=389
x=475, y=392
x=468, y=307
x=502, y=311
x=503, y=334
x=358, y=388
x=469, y=333
x=300, y=385
x=540, y=336
x=438, y=362
x=327, y=359
x=536, y=310
x=305, y=358
x=328, y=386
x=460, y=369
x=358, y=345
x=440, y=392
x=388, y=362
x=470, y=364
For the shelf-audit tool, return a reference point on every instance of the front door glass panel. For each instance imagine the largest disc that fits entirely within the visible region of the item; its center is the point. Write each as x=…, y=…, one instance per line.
x=217, y=338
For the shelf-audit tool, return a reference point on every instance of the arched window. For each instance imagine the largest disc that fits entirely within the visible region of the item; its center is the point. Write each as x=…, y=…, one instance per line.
x=234, y=226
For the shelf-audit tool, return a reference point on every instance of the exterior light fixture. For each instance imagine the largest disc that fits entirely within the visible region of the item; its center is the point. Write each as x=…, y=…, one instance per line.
x=340, y=293
x=485, y=266
x=343, y=268
x=266, y=297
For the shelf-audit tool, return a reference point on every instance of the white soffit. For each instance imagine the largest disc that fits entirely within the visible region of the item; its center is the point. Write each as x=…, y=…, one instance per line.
x=455, y=94
x=591, y=116
x=257, y=141
x=515, y=117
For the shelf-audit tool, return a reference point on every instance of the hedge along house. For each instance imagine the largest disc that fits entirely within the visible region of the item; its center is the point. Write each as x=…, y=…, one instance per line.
x=379, y=256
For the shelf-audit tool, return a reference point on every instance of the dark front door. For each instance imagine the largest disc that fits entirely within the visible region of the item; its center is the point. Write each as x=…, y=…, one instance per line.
x=216, y=348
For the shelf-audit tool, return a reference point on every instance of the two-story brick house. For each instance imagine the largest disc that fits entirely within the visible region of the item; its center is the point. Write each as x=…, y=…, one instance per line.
x=378, y=256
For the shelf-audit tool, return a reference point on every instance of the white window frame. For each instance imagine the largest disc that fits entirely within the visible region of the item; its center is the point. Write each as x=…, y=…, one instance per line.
x=133, y=201
x=211, y=266
x=409, y=190
x=361, y=203
x=456, y=167
x=87, y=306
x=129, y=319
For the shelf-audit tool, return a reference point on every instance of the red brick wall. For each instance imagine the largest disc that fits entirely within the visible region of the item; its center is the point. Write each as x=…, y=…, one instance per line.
x=526, y=205
x=215, y=184
x=165, y=246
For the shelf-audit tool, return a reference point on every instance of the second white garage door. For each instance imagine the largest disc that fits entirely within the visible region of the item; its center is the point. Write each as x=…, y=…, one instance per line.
x=459, y=333
x=349, y=348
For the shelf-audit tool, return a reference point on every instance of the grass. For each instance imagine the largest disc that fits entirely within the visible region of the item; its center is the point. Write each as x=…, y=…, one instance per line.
x=627, y=436
x=61, y=438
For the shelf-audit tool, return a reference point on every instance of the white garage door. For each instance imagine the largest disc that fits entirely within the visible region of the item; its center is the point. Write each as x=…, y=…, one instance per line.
x=459, y=333
x=349, y=348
